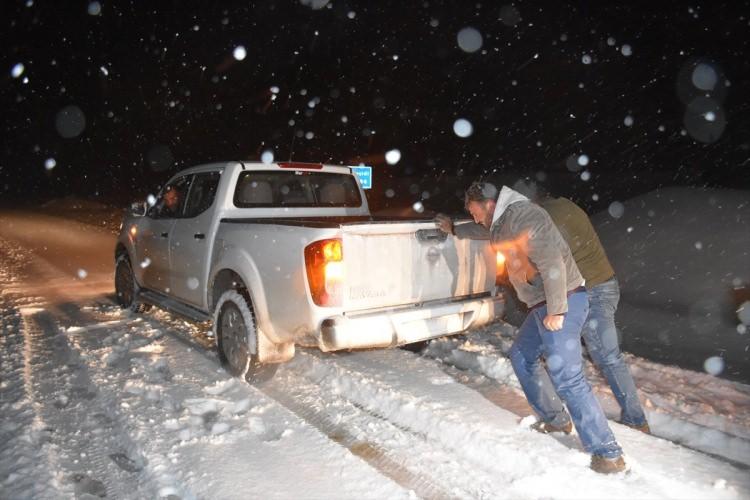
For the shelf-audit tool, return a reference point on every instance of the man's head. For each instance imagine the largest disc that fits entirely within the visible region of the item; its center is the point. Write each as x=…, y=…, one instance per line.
x=480, y=200
x=171, y=198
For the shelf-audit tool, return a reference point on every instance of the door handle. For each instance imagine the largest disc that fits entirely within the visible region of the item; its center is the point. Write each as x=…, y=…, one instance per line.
x=431, y=236
x=165, y=235
x=199, y=236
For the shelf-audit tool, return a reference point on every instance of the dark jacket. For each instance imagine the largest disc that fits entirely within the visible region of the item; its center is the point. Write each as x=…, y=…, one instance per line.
x=575, y=227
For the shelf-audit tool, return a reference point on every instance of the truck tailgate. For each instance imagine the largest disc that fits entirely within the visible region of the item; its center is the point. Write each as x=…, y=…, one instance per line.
x=394, y=264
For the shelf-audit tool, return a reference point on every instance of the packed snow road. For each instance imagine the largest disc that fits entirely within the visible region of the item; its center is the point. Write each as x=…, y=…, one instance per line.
x=98, y=402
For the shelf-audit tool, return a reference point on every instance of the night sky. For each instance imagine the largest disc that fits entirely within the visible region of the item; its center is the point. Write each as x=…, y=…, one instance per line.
x=596, y=101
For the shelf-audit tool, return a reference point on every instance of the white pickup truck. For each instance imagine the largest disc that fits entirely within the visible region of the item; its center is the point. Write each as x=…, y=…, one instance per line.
x=288, y=253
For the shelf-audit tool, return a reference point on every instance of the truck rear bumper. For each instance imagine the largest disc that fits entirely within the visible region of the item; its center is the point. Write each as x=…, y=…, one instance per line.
x=407, y=325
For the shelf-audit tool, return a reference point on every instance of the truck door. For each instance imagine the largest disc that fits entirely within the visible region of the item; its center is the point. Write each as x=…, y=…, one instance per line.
x=155, y=231
x=191, y=240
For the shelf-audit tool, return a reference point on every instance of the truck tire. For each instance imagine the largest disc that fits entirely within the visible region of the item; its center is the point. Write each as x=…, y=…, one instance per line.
x=126, y=288
x=237, y=339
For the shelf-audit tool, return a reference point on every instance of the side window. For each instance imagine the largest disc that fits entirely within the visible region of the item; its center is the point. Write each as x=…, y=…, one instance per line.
x=202, y=193
x=171, y=201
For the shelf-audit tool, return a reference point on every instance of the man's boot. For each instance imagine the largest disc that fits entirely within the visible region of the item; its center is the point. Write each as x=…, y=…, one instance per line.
x=604, y=465
x=548, y=428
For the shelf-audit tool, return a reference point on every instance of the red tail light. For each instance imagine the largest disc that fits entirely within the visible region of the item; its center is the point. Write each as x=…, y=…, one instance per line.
x=325, y=271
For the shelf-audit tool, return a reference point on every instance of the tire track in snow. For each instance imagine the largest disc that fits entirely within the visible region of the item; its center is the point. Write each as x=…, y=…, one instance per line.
x=88, y=445
x=146, y=332
x=23, y=438
x=22, y=435
x=374, y=454
x=371, y=453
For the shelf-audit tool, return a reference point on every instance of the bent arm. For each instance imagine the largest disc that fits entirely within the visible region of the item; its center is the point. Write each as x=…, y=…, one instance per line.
x=544, y=253
x=471, y=230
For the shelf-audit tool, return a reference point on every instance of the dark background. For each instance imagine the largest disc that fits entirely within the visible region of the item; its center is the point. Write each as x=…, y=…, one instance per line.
x=173, y=94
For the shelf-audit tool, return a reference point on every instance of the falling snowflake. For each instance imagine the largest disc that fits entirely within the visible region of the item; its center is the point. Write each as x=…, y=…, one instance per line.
x=393, y=156
x=239, y=53
x=463, y=127
x=94, y=8
x=17, y=70
x=714, y=365
x=469, y=39
x=616, y=209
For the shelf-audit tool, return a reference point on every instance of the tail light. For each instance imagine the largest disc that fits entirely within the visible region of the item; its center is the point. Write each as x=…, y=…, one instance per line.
x=501, y=277
x=325, y=271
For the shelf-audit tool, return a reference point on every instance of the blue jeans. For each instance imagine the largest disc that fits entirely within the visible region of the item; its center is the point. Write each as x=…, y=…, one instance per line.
x=600, y=336
x=563, y=354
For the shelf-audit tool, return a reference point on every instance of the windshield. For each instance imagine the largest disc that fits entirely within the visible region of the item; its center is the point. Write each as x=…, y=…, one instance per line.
x=296, y=189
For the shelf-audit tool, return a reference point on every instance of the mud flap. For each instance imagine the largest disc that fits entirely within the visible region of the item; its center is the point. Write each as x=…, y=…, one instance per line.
x=270, y=352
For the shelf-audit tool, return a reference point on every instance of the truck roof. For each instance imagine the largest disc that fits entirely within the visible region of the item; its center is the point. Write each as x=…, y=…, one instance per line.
x=255, y=165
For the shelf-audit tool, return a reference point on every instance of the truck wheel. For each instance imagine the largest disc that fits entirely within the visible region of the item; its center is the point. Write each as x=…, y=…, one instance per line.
x=237, y=339
x=126, y=288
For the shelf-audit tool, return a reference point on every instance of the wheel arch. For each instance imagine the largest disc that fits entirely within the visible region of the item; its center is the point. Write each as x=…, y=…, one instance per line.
x=228, y=278
x=120, y=250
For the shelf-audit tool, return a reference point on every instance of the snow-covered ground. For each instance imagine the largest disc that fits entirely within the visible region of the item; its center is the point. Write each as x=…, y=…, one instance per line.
x=682, y=256
x=95, y=401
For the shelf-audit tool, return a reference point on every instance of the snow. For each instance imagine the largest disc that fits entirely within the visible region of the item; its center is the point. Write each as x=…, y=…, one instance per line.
x=17, y=70
x=393, y=156
x=95, y=400
x=239, y=53
x=469, y=39
x=680, y=302
x=463, y=128
x=94, y=8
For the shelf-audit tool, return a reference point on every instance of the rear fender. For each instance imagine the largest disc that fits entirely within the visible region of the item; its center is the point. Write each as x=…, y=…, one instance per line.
x=243, y=265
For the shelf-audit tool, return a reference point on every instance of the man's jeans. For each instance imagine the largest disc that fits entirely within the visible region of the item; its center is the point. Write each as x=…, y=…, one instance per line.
x=600, y=336
x=563, y=353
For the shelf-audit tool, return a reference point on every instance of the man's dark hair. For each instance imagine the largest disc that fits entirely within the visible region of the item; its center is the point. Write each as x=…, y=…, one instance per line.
x=480, y=191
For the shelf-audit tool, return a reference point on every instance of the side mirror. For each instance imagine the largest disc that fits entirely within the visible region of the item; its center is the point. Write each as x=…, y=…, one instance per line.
x=138, y=209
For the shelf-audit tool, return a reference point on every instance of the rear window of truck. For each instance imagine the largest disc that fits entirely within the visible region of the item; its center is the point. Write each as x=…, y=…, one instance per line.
x=296, y=189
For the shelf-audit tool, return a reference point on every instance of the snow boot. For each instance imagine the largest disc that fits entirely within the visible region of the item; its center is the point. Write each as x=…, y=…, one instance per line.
x=548, y=428
x=604, y=465
x=644, y=428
